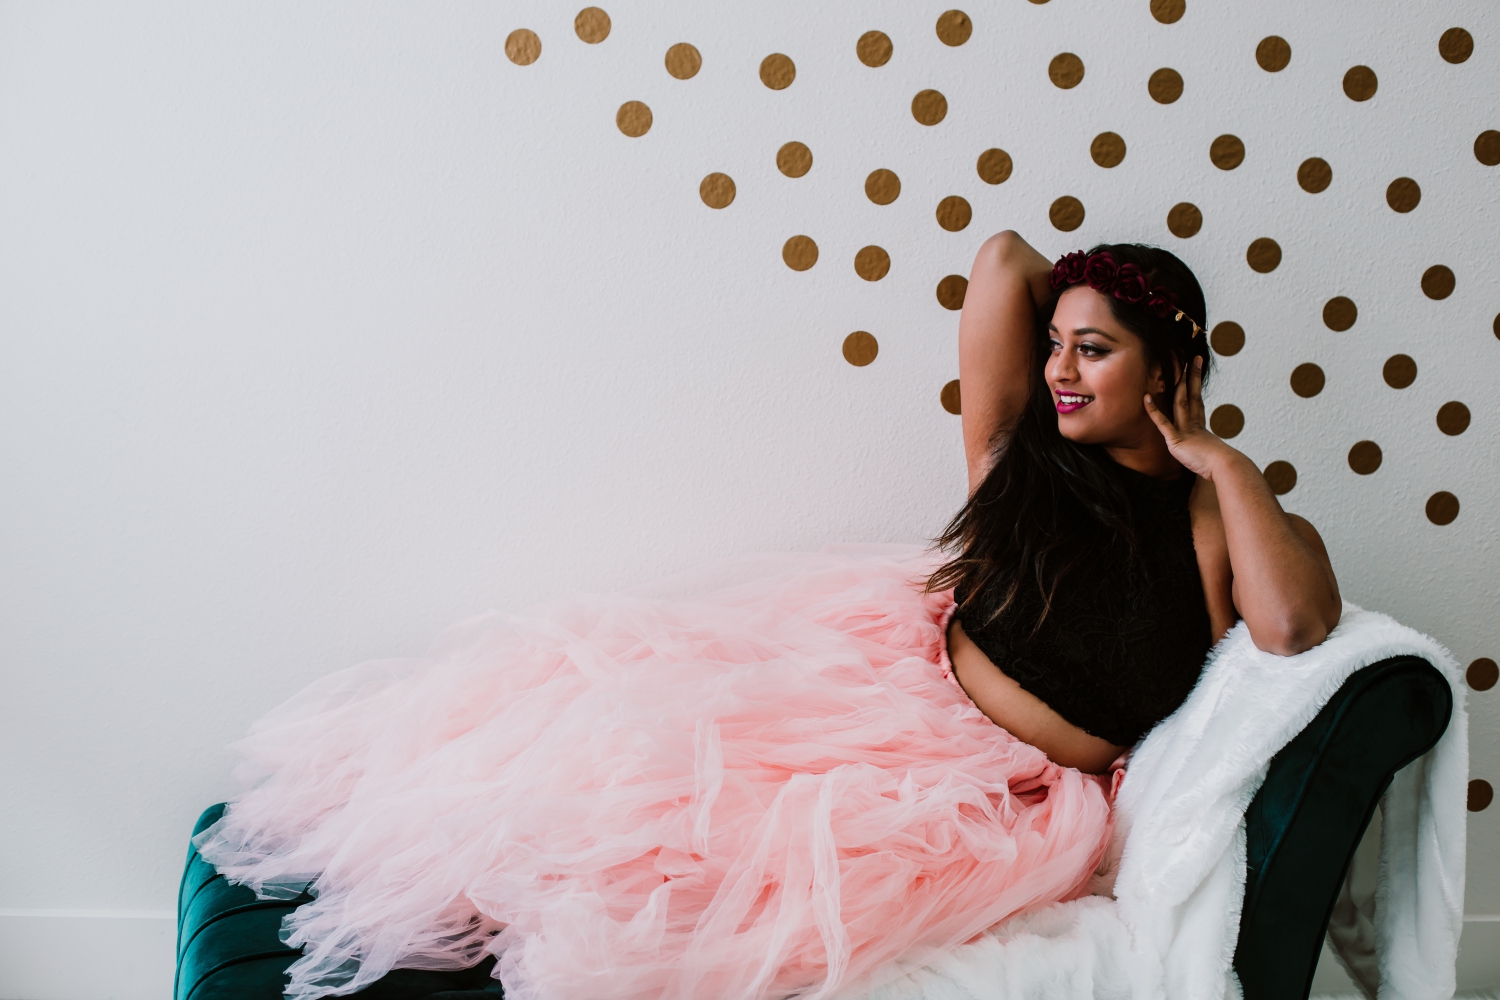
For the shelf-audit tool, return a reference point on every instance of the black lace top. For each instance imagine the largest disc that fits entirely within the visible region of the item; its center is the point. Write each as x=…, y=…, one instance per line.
x=1126, y=638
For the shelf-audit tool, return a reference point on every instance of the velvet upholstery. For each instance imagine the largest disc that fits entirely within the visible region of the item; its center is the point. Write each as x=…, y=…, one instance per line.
x=1302, y=828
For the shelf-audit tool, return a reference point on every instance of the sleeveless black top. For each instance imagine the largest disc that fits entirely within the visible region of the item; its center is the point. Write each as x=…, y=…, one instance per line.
x=1126, y=637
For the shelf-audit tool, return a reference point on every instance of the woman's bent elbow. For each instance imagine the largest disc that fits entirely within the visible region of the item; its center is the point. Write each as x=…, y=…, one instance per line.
x=1291, y=637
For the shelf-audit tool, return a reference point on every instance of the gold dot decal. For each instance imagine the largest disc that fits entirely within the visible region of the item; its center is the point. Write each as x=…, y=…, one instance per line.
x=1107, y=149
x=1227, y=339
x=683, y=61
x=1227, y=152
x=591, y=25
x=717, y=190
x=1455, y=45
x=1360, y=83
x=994, y=166
x=1339, y=313
x=777, y=71
x=1184, y=220
x=950, y=294
x=949, y=396
x=634, y=119
x=874, y=49
x=954, y=27
x=1365, y=457
x=882, y=186
x=1403, y=194
x=1399, y=371
x=1480, y=795
x=800, y=253
x=1482, y=674
x=1487, y=147
x=860, y=348
x=1437, y=282
x=929, y=107
x=1314, y=175
x=1065, y=70
x=1066, y=213
x=1273, y=54
x=872, y=263
x=1453, y=418
x=794, y=159
x=1281, y=477
x=523, y=47
x=1165, y=85
x=1168, y=11
x=1264, y=255
x=1227, y=420
x=954, y=213
x=1442, y=508
x=1307, y=380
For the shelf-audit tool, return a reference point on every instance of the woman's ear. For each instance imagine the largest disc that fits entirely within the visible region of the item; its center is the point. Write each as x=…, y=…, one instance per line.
x=1154, y=380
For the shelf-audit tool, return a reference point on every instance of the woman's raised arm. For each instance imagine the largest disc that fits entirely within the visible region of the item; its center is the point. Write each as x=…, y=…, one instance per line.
x=995, y=337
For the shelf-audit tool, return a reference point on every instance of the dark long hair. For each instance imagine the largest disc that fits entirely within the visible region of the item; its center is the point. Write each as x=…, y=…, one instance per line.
x=1048, y=501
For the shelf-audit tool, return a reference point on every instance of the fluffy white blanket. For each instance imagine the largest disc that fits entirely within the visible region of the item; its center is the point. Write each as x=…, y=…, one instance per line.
x=1170, y=931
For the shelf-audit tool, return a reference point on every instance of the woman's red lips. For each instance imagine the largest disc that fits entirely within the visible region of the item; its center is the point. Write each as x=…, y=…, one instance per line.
x=1070, y=402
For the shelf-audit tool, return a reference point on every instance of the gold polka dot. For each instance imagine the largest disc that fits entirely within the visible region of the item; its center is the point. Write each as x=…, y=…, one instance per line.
x=1442, y=508
x=1360, y=83
x=1281, y=477
x=994, y=166
x=777, y=71
x=523, y=47
x=1453, y=418
x=1065, y=70
x=1314, y=175
x=949, y=396
x=1339, y=313
x=1487, y=147
x=1455, y=45
x=954, y=213
x=1107, y=149
x=1365, y=457
x=872, y=263
x=1480, y=795
x=591, y=25
x=1227, y=152
x=1495, y=326
x=874, y=48
x=1273, y=53
x=1437, y=282
x=1399, y=371
x=1066, y=213
x=1168, y=11
x=950, y=293
x=1227, y=420
x=954, y=27
x=1227, y=339
x=882, y=186
x=1403, y=194
x=1264, y=255
x=634, y=119
x=1165, y=85
x=1184, y=220
x=860, y=348
x=683, y=61
x=717, y=190
x=800, y=253
x=1482, y=674
x=929, y=107
x=1307, y=380
x=794, y=159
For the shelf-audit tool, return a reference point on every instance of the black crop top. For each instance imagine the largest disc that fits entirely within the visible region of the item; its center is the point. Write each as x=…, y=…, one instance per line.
x=1126, y=639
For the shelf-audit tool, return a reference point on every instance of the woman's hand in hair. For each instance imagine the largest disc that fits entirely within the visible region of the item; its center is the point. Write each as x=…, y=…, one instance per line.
x=1188, y=437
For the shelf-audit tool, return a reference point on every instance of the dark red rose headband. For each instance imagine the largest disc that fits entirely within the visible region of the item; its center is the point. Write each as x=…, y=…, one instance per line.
x=1126, y=282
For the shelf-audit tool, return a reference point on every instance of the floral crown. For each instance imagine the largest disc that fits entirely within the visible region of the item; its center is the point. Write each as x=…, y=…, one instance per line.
x=1126, y=282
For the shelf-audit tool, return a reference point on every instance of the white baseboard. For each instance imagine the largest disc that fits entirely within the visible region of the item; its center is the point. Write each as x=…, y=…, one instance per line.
x=87, y=954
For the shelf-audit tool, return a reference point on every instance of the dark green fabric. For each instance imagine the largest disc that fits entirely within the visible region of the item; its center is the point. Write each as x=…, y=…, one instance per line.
x=1302, y=828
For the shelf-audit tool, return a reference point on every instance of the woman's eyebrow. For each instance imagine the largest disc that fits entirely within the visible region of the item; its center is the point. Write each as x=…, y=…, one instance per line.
x=1096, y=332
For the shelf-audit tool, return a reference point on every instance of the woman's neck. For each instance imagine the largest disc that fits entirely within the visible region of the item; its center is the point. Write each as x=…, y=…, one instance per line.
x=1148, y=457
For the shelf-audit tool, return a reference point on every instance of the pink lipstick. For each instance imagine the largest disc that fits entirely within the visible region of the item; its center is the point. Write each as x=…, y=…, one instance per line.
x=1071, y=402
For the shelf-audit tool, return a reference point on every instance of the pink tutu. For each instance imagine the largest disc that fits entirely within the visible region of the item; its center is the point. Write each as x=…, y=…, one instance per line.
x=750, y=780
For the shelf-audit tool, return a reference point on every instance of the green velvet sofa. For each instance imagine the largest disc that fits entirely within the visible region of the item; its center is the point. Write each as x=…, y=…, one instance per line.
x=1303, y=827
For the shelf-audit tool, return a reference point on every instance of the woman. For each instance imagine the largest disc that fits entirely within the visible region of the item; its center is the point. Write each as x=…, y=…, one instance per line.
x=760, y=778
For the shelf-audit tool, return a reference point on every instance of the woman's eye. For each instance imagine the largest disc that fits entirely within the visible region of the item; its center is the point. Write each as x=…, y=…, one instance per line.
x=1055, y=345
x=1092, y=350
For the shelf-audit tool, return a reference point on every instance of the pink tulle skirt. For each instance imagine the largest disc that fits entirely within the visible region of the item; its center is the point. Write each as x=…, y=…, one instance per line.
x=751, y=780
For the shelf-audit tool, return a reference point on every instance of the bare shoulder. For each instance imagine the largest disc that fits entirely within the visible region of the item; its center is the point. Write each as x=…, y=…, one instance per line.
x=1212, y=548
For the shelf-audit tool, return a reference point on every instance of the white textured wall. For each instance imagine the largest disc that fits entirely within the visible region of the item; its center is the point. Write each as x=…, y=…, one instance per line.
x=326, y=325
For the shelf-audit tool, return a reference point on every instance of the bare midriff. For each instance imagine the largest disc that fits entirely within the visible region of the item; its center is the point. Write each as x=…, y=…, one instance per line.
x=1021, y=713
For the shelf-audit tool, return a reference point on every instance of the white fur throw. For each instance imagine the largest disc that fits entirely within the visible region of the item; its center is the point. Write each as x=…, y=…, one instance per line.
x=1170, y=932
